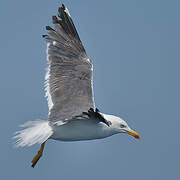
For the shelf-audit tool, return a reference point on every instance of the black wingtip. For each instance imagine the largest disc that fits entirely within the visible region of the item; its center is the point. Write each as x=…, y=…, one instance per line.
x=62, y=10
x=66, y=28
x=97, y=110
x=49, y=28
x=55, y=20
x=44, y=35
x=91, y=110
x=63, y=6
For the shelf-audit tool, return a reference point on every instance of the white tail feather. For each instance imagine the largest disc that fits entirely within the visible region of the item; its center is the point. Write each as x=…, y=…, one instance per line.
x=35, y=132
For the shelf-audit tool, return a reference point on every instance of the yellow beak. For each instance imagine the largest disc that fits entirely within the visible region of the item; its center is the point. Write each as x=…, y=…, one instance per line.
x=133, y=133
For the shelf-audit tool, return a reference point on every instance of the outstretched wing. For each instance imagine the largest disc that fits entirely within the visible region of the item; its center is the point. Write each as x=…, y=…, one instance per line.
x=69, y=88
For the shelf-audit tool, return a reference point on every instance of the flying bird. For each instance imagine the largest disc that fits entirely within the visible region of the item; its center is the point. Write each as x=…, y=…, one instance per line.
x=72, y=115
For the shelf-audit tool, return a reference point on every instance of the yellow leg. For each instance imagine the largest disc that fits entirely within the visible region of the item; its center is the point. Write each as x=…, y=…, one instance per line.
x=38, y=155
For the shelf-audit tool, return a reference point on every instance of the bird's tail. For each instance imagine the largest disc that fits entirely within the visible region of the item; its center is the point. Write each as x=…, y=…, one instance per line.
x=34, y=132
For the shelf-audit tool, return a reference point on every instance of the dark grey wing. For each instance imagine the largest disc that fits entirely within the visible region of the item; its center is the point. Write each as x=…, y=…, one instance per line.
x=69, y=81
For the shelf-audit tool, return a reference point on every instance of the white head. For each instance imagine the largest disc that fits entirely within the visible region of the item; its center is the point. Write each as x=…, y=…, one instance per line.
x=120, y=126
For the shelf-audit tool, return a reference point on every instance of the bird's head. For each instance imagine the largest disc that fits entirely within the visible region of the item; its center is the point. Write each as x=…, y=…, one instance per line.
x=120, y=126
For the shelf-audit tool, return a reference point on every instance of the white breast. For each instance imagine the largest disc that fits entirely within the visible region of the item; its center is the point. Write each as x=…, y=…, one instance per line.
x=77, y=130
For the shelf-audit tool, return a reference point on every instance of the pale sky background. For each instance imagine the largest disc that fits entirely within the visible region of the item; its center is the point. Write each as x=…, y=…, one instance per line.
x=135, y=48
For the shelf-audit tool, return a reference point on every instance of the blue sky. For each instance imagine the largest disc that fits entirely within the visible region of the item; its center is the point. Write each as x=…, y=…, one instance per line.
x=134, y=45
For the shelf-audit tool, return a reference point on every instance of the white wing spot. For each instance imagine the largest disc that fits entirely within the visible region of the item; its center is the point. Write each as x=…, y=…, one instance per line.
x=54, y=43
x=67, y=11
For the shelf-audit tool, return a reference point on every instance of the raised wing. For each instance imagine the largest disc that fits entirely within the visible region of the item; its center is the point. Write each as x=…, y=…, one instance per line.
x=69, y=77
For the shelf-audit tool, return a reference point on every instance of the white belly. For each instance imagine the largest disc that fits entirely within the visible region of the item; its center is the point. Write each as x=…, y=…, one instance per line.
x=77, y=130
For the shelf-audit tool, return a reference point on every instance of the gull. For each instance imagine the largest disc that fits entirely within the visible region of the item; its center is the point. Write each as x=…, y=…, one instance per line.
x=72, y=115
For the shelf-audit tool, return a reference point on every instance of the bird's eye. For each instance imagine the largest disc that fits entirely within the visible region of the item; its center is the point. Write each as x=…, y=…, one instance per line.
x=122, y=126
